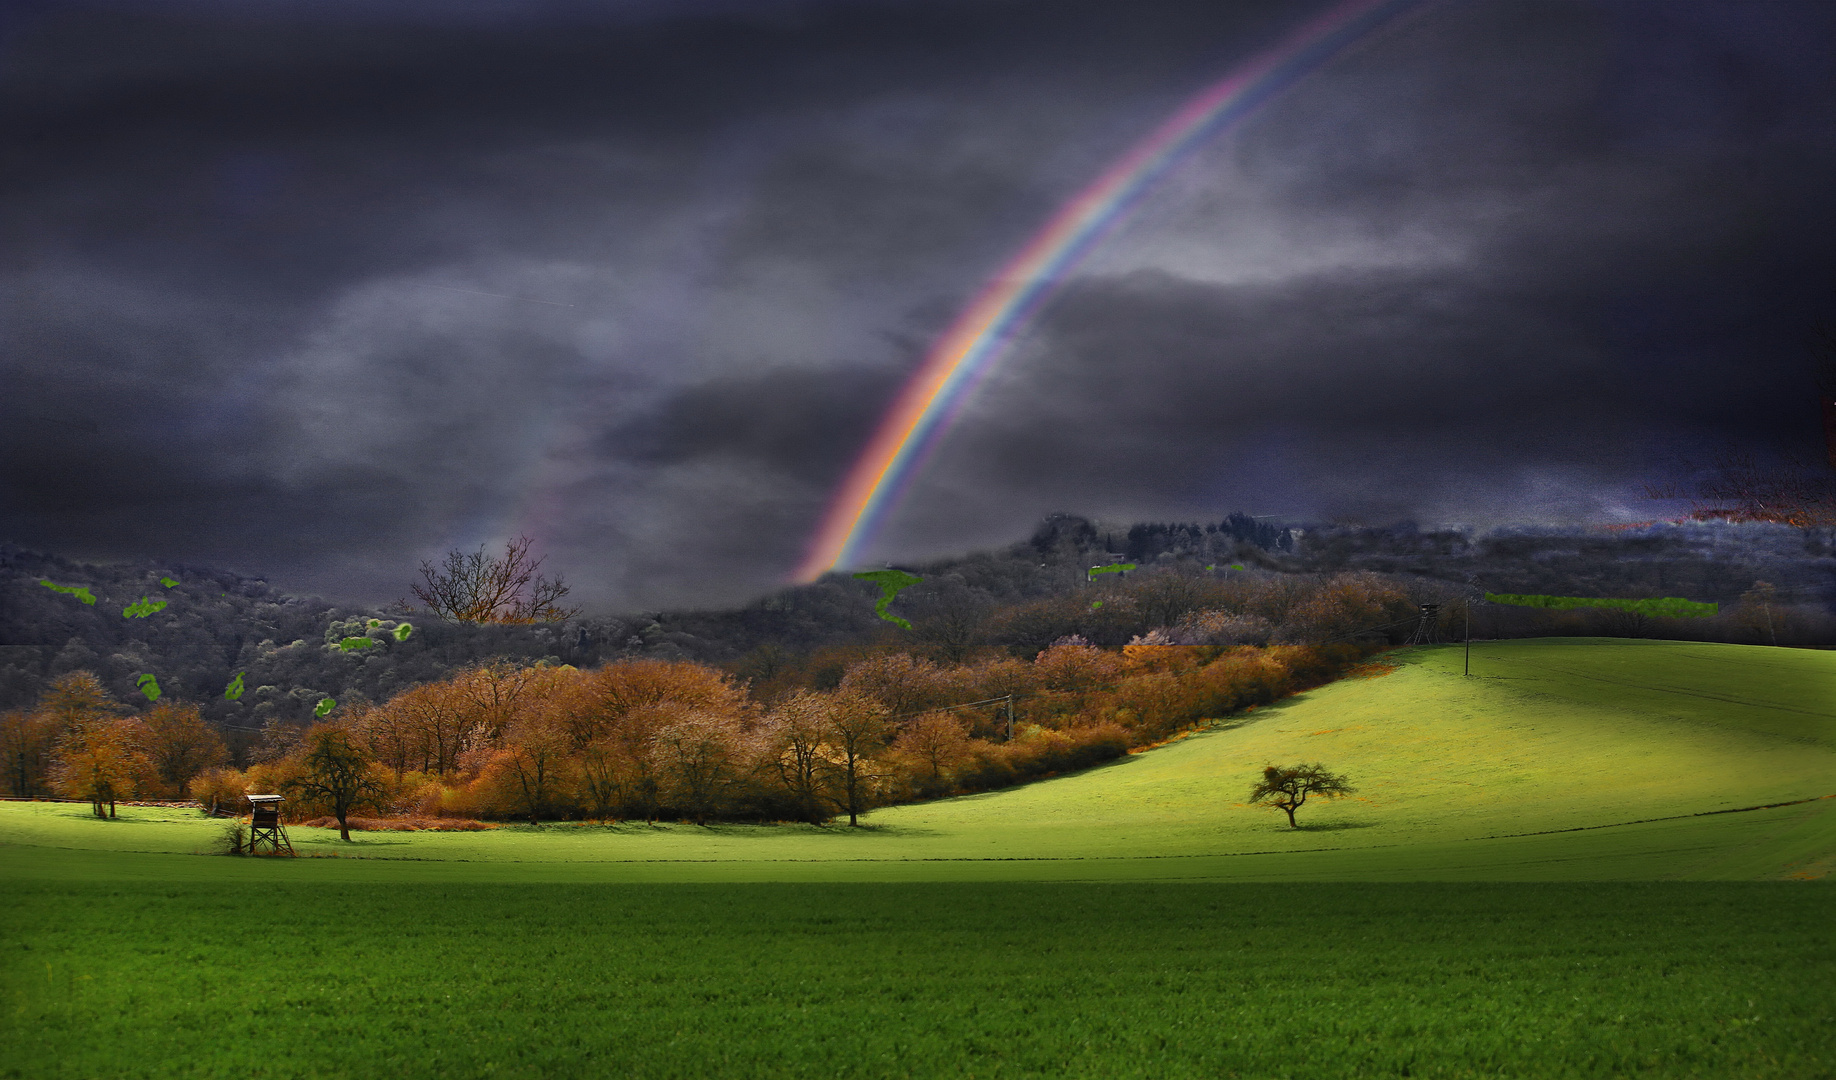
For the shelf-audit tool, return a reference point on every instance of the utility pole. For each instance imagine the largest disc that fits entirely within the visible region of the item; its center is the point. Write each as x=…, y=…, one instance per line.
x=1468, y=673
x=1010, y=717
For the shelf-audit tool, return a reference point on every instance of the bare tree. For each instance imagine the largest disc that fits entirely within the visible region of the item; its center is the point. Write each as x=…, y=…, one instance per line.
x=1288, y=788
x=537, y=748
x=701, y=757
x=950, y=621
x=477, y=588
x=1170, y=593
x=795, y=730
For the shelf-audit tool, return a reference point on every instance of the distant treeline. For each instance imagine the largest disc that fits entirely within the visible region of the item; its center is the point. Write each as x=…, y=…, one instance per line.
x=657, y=739
x=1772, y=584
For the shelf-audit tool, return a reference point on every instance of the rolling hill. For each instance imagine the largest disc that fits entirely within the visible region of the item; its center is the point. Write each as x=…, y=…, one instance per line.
x=1557, y=759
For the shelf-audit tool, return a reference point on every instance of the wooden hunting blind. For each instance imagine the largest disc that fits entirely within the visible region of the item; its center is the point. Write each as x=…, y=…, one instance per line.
x=1427, y=628
x=265, y=825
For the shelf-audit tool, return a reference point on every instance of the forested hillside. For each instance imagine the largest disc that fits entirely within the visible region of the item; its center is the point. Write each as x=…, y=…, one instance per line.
x=1776, y=585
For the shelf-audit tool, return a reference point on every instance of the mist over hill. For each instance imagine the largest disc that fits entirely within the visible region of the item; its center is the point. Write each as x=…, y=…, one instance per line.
x=217, y=623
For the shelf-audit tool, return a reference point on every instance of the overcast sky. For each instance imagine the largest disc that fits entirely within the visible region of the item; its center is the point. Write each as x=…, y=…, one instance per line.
x=320, y=290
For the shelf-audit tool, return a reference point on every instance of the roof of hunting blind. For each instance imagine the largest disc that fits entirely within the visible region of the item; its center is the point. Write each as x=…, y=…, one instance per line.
x=263, y=798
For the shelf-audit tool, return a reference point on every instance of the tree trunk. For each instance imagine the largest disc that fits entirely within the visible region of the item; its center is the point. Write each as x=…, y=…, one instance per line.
x=1290, y=811
x=344, y=829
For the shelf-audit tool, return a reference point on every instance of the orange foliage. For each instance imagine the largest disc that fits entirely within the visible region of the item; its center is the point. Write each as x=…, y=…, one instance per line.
x=219, y=788
x=179, y=745
x=904, y=684
x=675, y=739
x=1072, y=665
x=599, y=702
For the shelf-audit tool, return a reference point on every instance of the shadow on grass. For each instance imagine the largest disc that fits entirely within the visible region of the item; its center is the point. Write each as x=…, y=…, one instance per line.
x=357, y=840
x=1332, y=826
x=835, y=830
x=740, y=830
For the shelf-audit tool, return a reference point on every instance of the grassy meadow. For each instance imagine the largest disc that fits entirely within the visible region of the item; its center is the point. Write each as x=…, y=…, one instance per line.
x=920, y=979
x=1552, y=868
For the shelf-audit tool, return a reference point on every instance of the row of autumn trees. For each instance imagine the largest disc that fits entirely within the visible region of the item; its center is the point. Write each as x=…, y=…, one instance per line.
x=655, y=739
x=81, y=743
x=658, y=739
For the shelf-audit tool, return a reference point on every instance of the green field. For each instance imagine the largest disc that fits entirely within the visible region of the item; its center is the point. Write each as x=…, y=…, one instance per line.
x=939, y=979
x=1551, y=869
x=1560, y=759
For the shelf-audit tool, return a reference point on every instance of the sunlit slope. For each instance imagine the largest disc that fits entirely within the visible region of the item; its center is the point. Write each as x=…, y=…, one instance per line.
x=1548, y=734
x=1457, y=776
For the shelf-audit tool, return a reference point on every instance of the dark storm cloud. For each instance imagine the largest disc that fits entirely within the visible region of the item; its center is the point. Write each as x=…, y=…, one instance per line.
x=336, y=290
x=803, y=423
x=343, y=287
x=1514, y=276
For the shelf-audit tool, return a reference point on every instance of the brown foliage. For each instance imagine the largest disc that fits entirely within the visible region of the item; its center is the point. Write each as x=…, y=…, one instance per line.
x=102, y=760
x=699, y=756
x=602, y=701
x=332, y=769
x=938, y=741
x=493, y=696
x=1344, y=604
x=1037, y=752
x=180, y=745
x=219, y=788
x=904, y=684
x=856, y=731
x=28, y=741
x=794, y=733
x=423, y=729
x=1072, y=665
x=1164, y=596
x=676, y=739
x=535, y=754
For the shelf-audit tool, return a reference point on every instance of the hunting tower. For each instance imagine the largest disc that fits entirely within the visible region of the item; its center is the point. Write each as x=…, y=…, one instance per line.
x=1427, y=629
x=265, y=825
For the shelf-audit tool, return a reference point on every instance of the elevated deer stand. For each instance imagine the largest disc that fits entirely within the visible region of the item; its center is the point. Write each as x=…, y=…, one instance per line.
x=265, y=825
x=1427, y=630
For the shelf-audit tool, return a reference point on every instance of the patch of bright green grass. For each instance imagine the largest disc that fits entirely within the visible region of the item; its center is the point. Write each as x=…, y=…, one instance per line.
x=1797, y=841
x=1092, y=925
x=277, y=979
x=1459, y=778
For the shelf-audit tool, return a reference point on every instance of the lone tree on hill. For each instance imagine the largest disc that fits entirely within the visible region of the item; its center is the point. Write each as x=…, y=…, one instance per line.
x=475, y=588
x=1290, y=787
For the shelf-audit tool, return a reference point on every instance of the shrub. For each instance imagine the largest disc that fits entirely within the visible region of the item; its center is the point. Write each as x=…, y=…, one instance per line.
x=219, y=789
x=234, y=839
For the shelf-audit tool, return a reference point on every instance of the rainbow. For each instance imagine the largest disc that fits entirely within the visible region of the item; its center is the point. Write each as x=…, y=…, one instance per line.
x=966, y=351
